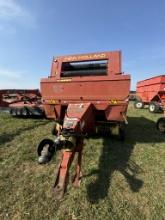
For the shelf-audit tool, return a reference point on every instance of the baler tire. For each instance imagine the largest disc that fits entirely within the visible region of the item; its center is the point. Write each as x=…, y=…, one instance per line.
x=160, y=125
x=154, y=107
x=138, y=104
x=43, y=143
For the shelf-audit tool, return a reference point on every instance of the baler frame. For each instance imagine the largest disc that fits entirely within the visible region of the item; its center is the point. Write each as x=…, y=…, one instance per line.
x=81, y=91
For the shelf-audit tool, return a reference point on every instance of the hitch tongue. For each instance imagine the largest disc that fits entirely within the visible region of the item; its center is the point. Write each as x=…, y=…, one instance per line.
x=62, y=174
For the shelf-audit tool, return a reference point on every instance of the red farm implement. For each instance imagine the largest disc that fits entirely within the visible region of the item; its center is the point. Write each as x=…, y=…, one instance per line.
x=21, y=102
x=151, y=92
x=84, y=94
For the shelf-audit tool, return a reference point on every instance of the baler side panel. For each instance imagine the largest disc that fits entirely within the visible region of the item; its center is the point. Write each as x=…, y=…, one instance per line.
x=105, y=90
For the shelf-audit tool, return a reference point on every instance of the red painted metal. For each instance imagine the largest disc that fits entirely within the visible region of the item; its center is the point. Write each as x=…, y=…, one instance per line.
x=81, y=90
x=18, y=99
x=28, y=100
x=8, y=96
x=62, y=177
x=77, y=121
x=80, y=118
x=108, y=93
x=152, y=89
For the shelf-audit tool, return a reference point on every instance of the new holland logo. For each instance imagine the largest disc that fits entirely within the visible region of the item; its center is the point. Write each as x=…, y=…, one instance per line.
x=86, y=57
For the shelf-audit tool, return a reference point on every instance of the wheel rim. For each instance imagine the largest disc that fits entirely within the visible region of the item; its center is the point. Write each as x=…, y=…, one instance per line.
x=139, y=104
x=24, y=112
x=13, y=112
x=18, y=111
x=152, y=108
x=43, y=143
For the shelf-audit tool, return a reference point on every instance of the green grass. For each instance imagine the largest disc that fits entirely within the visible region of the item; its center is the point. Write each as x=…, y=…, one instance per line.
x=120, y=180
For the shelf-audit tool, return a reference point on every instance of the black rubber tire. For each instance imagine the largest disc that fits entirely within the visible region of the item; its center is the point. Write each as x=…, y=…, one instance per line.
x=19, y=111
x=42, y=145
x=13, y=112
x=138, y=104
x=154, y=107
x=25, y=112
x=160, y=125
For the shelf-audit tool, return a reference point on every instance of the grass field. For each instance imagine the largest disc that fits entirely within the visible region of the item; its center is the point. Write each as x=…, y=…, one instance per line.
x=122, y=180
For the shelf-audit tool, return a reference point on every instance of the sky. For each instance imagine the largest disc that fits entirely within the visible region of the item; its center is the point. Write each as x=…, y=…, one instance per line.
x=33, y=31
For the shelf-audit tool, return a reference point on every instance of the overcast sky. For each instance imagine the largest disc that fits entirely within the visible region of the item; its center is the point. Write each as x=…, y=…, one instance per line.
x=33, y=31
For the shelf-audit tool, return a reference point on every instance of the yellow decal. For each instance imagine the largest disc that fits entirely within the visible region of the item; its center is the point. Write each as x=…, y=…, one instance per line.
x=64, y=80
x=52, y=101
x=113, y=101
x=86, y=57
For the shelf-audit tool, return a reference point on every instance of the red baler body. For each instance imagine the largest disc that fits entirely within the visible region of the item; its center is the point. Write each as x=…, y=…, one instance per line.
x=82, y=91
x=108, y=93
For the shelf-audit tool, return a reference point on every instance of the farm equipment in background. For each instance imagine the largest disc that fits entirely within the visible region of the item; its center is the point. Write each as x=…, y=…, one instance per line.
x=84, y=94
x=4, y=105
x=22, y=102
x=151, y=92
x=132, y=96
